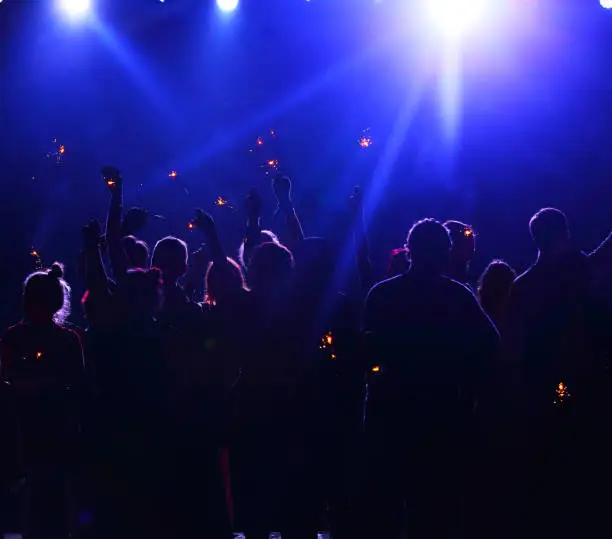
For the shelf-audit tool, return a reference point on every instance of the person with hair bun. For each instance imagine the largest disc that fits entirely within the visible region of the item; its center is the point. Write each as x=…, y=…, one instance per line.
x=41, y=368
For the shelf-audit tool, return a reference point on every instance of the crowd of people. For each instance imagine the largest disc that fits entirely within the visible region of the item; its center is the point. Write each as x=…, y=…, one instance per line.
x=209, y=394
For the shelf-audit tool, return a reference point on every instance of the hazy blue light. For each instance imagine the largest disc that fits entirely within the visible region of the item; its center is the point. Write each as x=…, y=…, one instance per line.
x=227, y=5
x=74, y=8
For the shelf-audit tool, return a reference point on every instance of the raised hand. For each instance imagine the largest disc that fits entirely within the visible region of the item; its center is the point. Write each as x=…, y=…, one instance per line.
x=112, y=177
x=281, y=185
x=135, y=220
x=253, y=205
x=204, y=222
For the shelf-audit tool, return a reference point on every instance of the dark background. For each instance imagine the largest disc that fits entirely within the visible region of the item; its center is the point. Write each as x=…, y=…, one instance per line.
x=152, y=87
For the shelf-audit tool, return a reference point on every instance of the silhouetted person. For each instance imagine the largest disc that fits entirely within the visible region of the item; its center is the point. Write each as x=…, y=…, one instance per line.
x=462, y=251
x=494, y=288
x=552, y=347
x=430, y=346
x=42, y=364
x=136, y=251
x=132, y=413
x=195, y=390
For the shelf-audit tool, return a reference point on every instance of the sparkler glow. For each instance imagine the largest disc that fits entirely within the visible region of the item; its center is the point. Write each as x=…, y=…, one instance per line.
x=173, y=174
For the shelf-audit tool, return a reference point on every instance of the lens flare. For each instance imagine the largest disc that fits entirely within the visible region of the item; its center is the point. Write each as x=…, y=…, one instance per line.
x=227, y=5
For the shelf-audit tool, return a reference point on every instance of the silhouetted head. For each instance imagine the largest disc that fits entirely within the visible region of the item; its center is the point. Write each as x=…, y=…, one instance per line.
x=314, y=265
x=46, y=296
x=139, y=294
x=265, y=236
x=271, y=269
x=223, y=281
x=549, y=230
x=170, y=256
x=463, y=248
x=429, y=245
x=399, y=262
x=494, y=286
x=137, y=252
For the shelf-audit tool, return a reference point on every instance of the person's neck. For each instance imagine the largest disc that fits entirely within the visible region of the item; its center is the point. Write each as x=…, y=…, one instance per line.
x=419, y=270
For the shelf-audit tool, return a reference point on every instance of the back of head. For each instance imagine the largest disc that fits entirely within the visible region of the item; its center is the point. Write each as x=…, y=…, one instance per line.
x=137, y=252
x=223, y=280
x=495, y=283
x=139, y=293
x=429, y=245
x=270, y=268
x=463, y=240
x=549, y=229
x=265, y=236
x=170, y=256
x=46, y=296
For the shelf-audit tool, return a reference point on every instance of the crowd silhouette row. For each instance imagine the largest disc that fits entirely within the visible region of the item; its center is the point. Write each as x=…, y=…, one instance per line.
x=209, y=395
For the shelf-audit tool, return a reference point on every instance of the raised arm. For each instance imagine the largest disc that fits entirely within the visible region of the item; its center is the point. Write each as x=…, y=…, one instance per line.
x=95, y=274
x=601, y=257
x=119, y=265
x=360, y=239
x=252, y=237
x=281, y=186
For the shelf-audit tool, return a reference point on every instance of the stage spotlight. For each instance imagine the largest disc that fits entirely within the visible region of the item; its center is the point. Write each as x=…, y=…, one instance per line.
x=75, y=8
x=227, y=5
x=606, y=4
x=454, y=18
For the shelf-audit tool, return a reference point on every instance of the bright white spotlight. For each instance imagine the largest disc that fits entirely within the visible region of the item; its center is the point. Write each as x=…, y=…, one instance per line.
x=606, y=4
x=454, y=18
x=75, y=8
x=227, y=5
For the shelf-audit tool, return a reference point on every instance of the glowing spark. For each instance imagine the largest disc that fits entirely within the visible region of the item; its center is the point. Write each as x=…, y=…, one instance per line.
x=328, y=338
x=61, y=150
x=173, y=174
x=562, y=393
x=260, y=141
x=190, y=226
x=376, y=369
x=365, y=141
x=220, y=201
x=38, y=355
x=272, y=132
x=110, y=183
x=273, y=163
x=35, y=253
x=468, y=232
x=333, y=356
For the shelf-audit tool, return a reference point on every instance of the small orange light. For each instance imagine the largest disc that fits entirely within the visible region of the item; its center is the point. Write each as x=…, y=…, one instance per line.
x=220, y=201
x=38, y=355
x=376, y=369
x=365, y=142
x=110, y=183
x=62, y=150
x=173, y=174
x=468, y=232
x=35, y=253
x=190, y=226
x=260, y=141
